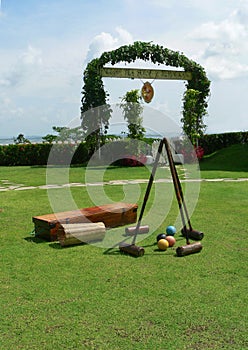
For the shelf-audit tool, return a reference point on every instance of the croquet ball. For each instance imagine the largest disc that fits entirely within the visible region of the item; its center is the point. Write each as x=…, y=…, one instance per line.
x=161, y=236
x=163, y=244
x=171, y=240
x=170, y=230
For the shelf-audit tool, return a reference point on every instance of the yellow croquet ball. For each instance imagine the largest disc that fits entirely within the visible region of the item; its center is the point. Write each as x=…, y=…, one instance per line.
x=163, y=244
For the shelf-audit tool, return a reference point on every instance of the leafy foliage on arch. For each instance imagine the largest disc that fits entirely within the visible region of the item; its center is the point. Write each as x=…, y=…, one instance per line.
x=94, y=94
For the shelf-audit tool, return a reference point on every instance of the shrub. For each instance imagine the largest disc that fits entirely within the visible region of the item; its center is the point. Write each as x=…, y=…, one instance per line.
x=39, y=154
x=132, y=160
x=112, y=152
x=213, y=142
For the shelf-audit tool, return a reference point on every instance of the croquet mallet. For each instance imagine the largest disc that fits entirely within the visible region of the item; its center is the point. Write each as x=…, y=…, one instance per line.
x=132, y=249
x=188, y=233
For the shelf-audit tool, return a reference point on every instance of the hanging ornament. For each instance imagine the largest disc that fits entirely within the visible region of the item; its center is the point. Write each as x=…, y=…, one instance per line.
x=147, y=92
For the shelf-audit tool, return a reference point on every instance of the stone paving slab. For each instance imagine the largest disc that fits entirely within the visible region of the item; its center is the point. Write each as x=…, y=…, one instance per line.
x=46, y=187
x=19, y=187
x=25, y=188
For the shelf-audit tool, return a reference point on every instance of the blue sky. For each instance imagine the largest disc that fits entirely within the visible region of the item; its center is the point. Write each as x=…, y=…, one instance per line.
x=45, y=46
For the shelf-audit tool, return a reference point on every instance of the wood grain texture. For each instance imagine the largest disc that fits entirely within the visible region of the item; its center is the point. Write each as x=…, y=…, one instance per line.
x=112, y=215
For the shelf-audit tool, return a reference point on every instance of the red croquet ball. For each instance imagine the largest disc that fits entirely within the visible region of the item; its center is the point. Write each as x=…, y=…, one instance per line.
x=171, y=240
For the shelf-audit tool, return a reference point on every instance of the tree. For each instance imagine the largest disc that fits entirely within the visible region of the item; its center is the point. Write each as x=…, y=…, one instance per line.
x=132, y=110
x=49, y=138
x=65, y=134
x=193, y=113
x=95, y=121
x=21, y=139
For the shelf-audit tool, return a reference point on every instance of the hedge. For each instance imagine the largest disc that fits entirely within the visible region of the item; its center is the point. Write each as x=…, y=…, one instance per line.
x=213, y=142
x=66, y=153
x=62, y=154
x=40, y=154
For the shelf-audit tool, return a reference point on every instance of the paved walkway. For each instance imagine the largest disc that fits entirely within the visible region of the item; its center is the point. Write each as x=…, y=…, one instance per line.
x=6, y=185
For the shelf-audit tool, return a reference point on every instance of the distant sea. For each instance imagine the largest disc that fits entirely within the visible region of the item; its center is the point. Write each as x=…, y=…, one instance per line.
x=38, y=139
x=10, y=141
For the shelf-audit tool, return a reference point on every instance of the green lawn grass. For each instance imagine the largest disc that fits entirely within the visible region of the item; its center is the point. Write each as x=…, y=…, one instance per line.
x=231, y=162
x=84, y=297
x=228, y=162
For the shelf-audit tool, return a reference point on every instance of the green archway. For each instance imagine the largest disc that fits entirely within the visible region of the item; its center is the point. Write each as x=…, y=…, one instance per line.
x=94, y=94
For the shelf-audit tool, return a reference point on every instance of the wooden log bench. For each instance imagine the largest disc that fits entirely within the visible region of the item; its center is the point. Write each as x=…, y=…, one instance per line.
x=112, y=215
x=73, y=234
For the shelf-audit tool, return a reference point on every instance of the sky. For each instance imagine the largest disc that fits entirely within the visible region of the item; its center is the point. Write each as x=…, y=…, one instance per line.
x=45, y=46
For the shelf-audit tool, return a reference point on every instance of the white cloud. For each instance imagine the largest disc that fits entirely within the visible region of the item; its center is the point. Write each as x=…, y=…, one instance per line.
x=224, y=45
x=5, y=101
x=4, y=82
x=1, y=10
x=230, y=29
x=10, y=114
x=146, y=3
x=52, y=70
x=107, y=42
x=25, y=66
x=220, y=48
x=41, y=83
x=31, y=56
x=124, y=36
x=225, y=69
x=46, y=84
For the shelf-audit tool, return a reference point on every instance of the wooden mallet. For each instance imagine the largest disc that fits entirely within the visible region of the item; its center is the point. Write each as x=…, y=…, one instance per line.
x=130, y=231
x=132, y=248
x=189, y=248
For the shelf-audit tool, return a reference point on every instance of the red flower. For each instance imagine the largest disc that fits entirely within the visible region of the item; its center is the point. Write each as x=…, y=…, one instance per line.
x=131, y=160
x=199, y=152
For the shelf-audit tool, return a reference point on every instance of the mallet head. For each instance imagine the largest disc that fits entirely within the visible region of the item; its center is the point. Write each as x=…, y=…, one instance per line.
x=189, y=249
x=132, y=249
x=193, y=234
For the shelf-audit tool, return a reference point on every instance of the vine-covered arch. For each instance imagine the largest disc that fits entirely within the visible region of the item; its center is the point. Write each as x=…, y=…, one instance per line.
x=94, y=94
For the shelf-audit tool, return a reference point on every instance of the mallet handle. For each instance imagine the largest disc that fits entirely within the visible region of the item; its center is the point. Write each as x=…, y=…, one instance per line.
x=148, y=189
x=177, y=187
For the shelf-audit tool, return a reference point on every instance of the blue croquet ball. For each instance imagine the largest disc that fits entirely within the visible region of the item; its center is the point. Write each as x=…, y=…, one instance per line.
x=170, y=230
x=161, y=236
